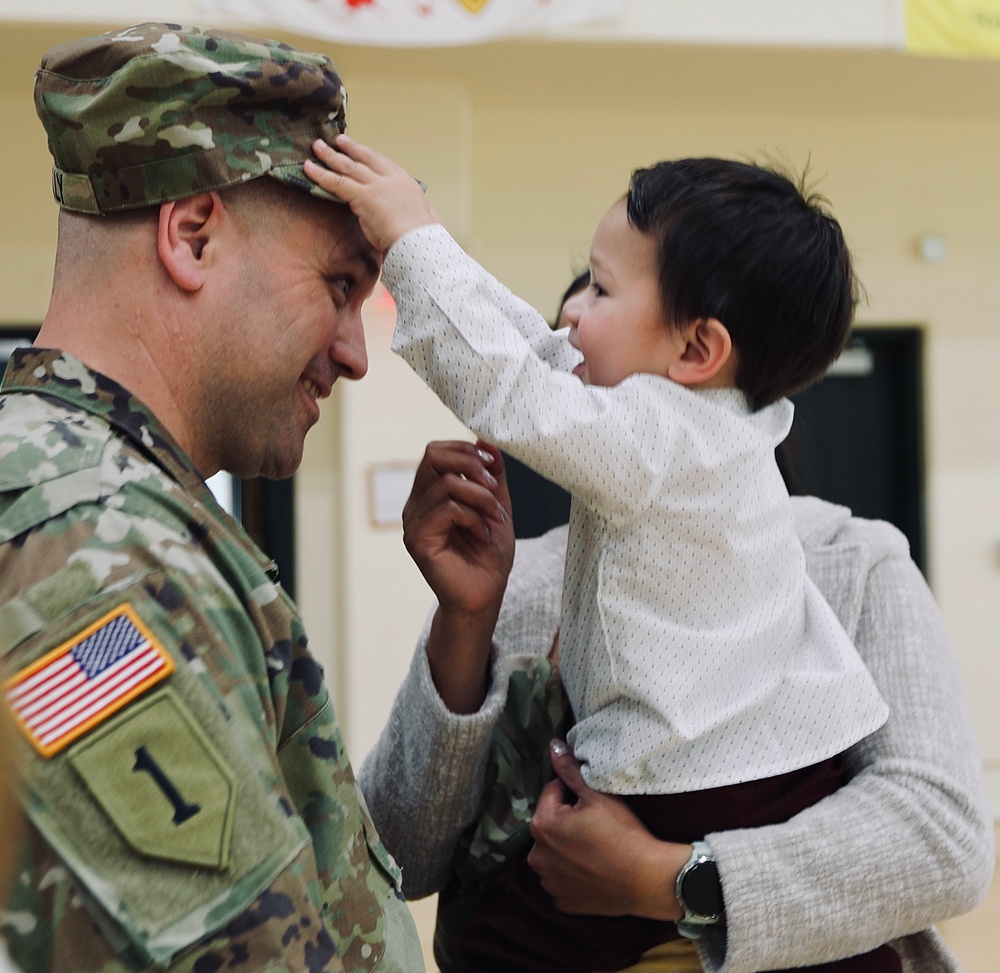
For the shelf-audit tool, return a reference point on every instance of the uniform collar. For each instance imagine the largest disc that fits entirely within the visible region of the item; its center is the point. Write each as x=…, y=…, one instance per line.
x=58, y=375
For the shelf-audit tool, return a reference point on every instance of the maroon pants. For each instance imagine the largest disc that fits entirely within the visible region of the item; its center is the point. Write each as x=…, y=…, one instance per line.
x=519, y=928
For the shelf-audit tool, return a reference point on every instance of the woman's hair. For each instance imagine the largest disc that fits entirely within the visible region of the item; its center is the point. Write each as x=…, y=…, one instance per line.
x=742, y=244
x=579, y=282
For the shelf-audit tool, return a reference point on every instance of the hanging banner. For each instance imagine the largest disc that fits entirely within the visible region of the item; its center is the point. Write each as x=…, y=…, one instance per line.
x=953, y=28
x=409, y=23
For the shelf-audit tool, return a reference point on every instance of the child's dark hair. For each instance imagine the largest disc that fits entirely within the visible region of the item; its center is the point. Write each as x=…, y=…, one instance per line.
x=742, y=244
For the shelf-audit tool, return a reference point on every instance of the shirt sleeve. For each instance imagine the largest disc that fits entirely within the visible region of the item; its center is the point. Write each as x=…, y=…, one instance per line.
x=424, y=779
x=908, y=842
x=495, y=363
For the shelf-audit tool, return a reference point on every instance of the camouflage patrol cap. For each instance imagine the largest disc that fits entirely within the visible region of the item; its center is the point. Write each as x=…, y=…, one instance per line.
x=139, y=116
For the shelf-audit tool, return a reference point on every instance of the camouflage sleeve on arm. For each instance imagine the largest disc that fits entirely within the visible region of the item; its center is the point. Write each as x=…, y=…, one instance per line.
x=213, y=819
x=517, y=768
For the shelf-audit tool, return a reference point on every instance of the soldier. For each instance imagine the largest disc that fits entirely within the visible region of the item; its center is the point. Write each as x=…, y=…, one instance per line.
x=190, y=803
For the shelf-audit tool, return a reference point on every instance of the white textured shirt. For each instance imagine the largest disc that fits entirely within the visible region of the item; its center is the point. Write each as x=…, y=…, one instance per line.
x=695, y=650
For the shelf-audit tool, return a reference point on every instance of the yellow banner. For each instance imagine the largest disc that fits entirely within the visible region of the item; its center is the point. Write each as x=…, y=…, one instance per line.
x=953, y=28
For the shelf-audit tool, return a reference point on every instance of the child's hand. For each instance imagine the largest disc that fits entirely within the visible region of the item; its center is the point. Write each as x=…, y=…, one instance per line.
x=386, y=199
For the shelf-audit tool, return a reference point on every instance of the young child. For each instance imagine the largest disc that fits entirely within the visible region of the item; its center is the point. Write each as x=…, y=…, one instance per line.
x=712, y=685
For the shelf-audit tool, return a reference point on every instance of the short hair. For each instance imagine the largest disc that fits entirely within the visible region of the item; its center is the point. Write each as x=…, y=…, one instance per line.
x=265, y=204
x=743, y=244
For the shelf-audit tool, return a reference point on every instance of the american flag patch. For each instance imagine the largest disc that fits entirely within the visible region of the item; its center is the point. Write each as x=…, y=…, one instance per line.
x=81, y=683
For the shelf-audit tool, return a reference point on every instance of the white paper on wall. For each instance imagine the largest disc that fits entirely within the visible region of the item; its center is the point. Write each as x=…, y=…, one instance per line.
x=416, y=23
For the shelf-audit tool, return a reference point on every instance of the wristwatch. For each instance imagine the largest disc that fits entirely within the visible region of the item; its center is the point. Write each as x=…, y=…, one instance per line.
x=699, y=892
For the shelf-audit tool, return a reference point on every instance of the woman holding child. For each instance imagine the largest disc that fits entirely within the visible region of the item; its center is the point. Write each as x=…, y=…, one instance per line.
x=707, y=622
x=906, y=843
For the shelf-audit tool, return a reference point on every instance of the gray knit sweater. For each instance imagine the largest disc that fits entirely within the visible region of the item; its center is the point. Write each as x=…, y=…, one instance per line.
x=909, y=842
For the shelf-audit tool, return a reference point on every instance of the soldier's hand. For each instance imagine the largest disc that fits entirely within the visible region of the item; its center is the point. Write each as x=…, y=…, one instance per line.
x=386, y=199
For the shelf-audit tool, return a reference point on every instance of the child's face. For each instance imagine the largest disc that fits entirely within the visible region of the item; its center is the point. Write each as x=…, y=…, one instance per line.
x=617, y=321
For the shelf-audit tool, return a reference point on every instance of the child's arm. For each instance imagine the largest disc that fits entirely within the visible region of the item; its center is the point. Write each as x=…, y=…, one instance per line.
x=486, y=353
x=389, y=203
x=386, y=199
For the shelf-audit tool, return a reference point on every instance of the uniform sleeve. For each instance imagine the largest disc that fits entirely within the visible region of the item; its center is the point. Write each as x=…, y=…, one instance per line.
x=907, y=843
x=173, y=789
x=219, y=779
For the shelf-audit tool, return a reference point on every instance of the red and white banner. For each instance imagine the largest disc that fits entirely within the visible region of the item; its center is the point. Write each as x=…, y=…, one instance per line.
x=415, y=23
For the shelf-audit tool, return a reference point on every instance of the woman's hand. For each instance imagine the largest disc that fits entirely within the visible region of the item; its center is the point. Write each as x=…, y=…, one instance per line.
x=457, y=525
x=594, y=856
x=457, y=528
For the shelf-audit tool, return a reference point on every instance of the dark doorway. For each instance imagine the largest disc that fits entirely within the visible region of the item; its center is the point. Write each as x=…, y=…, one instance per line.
x=538, y=504
x=267, y=510
x=858, y=436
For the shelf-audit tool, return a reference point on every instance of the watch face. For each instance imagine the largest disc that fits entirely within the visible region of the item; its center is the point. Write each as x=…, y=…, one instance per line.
x=702, y=889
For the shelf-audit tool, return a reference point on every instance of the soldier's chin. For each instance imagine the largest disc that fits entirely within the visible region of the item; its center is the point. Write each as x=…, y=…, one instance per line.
x=281, y=468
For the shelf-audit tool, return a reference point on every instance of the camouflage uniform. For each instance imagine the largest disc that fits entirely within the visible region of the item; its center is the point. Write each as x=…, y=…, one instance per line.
x=214, y=820
x=517, y=768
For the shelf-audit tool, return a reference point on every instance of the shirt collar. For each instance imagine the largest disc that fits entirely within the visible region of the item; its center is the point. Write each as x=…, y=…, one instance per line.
x=727, y=397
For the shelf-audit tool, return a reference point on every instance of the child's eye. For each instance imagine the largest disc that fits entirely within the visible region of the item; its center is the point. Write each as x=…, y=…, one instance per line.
x=597, y=289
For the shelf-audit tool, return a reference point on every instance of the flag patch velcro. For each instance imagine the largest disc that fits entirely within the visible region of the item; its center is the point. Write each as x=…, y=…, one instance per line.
x=79, y=684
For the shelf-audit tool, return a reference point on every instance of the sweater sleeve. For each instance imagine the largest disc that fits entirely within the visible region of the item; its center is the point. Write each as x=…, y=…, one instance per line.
x=424, y=778
x=908, y=842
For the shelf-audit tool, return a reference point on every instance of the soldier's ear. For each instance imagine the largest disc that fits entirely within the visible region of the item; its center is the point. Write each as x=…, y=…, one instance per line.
x=186, y=238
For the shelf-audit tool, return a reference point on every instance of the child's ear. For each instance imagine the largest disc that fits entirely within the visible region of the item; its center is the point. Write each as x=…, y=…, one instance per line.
x=707, y=355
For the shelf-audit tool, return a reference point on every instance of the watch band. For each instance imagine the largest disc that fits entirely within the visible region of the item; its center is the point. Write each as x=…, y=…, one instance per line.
x=699, y=892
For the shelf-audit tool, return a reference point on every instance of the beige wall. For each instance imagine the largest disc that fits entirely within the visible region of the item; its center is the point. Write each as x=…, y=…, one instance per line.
x=523, y=145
